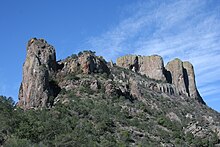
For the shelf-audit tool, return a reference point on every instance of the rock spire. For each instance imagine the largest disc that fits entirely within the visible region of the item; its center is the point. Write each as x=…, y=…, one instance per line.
x=40, y=62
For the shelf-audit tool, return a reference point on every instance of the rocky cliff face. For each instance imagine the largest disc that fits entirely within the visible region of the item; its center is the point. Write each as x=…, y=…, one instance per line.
x=180, y=74
x=190, y=81
x=151, y=66
x=86, y=62
x=178, y=78
x=183, y=77
x=40, y=62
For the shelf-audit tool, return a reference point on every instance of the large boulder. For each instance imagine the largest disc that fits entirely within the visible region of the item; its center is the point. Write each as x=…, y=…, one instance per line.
x=40, y=62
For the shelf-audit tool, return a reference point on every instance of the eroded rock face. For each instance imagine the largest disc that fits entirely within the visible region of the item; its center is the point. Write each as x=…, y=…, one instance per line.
x=190, y=81
x=40, y=62
x=86, y=62
x=151, y=66
x=175, y=67
x=183, y=77
x=125, y=61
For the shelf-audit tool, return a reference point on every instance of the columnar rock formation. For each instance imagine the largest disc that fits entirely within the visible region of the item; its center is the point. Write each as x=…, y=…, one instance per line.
x=176, y=70
x=190, y=79
x=40, y=62
x=183, y=77
x=180, y=74
x=191, y=83
x=151, y=66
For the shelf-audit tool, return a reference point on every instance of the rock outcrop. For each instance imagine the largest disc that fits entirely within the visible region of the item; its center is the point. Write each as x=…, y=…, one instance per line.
x=190, y=82
x=180, y=74
x=183, y=77
x=175, y=67
x=134, y=89
x=86, y=62
x=40, y=62
x=151, y=66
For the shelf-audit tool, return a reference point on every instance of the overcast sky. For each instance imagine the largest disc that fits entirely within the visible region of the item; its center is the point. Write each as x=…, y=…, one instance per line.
x=186, y=29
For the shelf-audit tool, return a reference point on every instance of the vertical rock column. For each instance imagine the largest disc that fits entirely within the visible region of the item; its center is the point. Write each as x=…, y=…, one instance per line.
x=175, y=67
x=40, y=62
x=190, y=82
x=183, y=77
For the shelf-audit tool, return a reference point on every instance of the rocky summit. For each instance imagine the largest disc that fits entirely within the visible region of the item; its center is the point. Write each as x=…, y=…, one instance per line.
x=85, y=101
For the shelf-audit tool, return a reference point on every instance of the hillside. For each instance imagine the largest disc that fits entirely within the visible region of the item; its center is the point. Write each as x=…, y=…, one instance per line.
x=85, y=101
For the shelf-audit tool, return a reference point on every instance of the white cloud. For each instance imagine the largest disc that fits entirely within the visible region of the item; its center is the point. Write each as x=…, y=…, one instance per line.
x=185, y=29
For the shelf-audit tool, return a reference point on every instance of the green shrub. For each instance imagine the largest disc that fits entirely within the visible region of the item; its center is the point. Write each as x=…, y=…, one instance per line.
x=15, y=142
x=72, y=77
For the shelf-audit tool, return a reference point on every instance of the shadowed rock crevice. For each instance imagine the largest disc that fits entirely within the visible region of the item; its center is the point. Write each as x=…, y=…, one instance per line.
x=186, y=81
x=135, y=66
x=168, y=76
x=60, y=66
x=54, y=91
